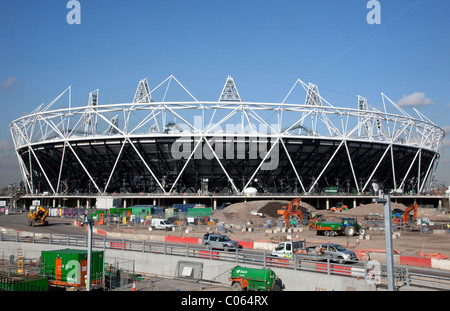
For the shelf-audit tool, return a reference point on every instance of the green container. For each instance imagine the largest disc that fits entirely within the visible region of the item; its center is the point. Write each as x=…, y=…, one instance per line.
x=95, y=214
x=22, y=283
x=199, y=212
x=141, y=211
x=120, y=211
x=68, y=267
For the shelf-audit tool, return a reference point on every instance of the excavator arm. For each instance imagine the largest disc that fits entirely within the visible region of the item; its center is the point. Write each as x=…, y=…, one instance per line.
x=408, y=210
x=291, y=210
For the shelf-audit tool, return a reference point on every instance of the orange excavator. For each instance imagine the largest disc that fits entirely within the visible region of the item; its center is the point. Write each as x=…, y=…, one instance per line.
x=405, y=218
x=291, y=210
x=408, y=210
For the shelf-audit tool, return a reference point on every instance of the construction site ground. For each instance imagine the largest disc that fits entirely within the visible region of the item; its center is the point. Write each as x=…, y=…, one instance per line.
x=236, y=218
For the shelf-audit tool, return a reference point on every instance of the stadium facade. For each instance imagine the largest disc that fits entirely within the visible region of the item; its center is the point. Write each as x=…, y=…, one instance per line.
x=302, y=145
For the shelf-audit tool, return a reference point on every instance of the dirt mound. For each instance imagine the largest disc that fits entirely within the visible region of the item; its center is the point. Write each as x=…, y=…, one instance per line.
x=372, y=208
x=240, y=212
x=271, y=208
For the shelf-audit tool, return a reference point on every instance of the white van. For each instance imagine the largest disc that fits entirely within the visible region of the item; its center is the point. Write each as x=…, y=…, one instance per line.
x=161, y=224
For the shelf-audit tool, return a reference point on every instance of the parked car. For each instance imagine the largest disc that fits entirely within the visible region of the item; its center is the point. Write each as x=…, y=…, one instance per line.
x=334, y=252
x=161, y=224
x=221, y=241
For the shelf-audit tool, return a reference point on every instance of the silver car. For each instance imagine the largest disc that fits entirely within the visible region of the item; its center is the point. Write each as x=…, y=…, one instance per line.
x=220, y=241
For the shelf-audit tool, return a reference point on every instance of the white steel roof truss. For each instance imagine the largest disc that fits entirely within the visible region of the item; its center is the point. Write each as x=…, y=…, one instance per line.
x=185, y=164
x=42, y=169
x=375, y=169
x=146, y=165
x=223, y=169
x=373, y=126
x=115, y=164
x=293, y=166
x=84, y=168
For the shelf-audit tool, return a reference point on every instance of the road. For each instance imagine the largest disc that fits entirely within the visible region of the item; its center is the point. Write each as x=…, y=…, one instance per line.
x=18, y=221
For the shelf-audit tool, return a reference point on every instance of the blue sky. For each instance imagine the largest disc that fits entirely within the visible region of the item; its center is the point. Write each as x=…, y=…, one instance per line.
x=264, y=45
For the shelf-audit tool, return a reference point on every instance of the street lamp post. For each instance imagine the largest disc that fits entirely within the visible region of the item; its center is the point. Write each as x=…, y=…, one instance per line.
x=386, y=199
x=87, y=221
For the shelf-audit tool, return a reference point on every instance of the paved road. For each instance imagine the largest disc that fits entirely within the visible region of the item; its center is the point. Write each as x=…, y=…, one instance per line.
x=19, y=221
x=156, y=283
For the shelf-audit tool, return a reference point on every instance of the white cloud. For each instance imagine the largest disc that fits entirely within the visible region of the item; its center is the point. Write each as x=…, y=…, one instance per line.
x=8, y=83
x=415, y=99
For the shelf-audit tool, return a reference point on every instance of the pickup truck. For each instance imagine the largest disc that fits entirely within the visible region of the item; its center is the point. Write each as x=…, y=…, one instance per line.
x=219, y=241
x=332, y=251
x=288, y=248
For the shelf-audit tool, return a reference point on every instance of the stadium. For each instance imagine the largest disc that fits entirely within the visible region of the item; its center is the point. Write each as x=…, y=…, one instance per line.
x=302, y=145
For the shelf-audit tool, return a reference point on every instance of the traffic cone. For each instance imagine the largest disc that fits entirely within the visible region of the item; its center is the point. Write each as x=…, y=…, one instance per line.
x=134, y=286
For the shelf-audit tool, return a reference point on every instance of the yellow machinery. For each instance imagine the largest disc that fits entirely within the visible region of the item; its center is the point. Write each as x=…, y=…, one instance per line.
x=38, y=217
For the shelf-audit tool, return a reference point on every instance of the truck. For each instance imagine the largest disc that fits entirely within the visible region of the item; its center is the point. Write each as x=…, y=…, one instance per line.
x=331, y=251
x=264, y=279
x=347, y=226
x=288, y=248
x=161, y=224
x=221, y=241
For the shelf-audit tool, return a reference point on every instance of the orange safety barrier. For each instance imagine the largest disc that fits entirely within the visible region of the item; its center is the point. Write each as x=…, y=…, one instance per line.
x=334, y=269
x=377, y=251
x=186, y=240
x=434, y=256
x=415, y=261
x=280, y=262
x=208, y=254
x=118, y=245
x=246, y=244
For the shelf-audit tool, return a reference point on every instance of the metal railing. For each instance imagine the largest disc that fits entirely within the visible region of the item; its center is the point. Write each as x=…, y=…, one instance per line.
x=359, y=269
